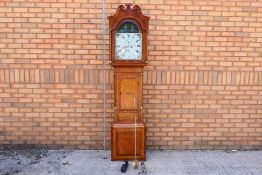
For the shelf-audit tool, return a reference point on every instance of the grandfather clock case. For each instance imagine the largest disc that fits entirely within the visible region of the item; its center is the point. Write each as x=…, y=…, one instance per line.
x=128, y=55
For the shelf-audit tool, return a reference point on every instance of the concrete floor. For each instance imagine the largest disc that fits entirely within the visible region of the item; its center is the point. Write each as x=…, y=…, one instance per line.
x=61, y=162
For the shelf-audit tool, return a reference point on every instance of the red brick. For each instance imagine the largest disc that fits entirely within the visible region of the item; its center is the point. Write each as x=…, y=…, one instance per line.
x=202, y=84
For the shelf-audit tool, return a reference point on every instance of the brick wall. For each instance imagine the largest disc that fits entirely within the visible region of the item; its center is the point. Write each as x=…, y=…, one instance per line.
x=202, y=84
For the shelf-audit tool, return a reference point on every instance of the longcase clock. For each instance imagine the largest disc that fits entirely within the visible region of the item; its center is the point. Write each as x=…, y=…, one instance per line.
x=128, y=55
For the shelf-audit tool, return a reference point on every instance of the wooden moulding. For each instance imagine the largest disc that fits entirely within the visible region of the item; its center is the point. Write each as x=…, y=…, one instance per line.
x=129, y=11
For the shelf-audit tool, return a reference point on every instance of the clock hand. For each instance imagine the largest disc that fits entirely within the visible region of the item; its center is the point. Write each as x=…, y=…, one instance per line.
x=123, y=49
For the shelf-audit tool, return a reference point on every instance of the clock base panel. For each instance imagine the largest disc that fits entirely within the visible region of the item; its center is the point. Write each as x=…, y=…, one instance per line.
x=123, y=141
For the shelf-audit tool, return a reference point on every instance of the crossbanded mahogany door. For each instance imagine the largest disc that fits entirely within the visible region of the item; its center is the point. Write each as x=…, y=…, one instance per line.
x=128, y=96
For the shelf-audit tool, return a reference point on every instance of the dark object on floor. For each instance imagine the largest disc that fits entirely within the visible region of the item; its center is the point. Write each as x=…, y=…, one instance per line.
x=143, y=168
x=124, y=166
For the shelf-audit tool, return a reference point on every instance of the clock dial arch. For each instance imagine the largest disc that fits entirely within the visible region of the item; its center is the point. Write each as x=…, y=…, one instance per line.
x=128, y=27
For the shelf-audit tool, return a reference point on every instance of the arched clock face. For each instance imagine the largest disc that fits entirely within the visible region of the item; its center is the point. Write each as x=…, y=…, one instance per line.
x=128, y=46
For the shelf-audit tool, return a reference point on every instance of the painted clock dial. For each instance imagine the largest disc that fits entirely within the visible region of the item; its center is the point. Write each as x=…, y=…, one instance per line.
x=128, y=42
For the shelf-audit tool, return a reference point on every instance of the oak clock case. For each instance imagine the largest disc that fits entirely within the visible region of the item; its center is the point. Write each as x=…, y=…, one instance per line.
x=128, y=54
